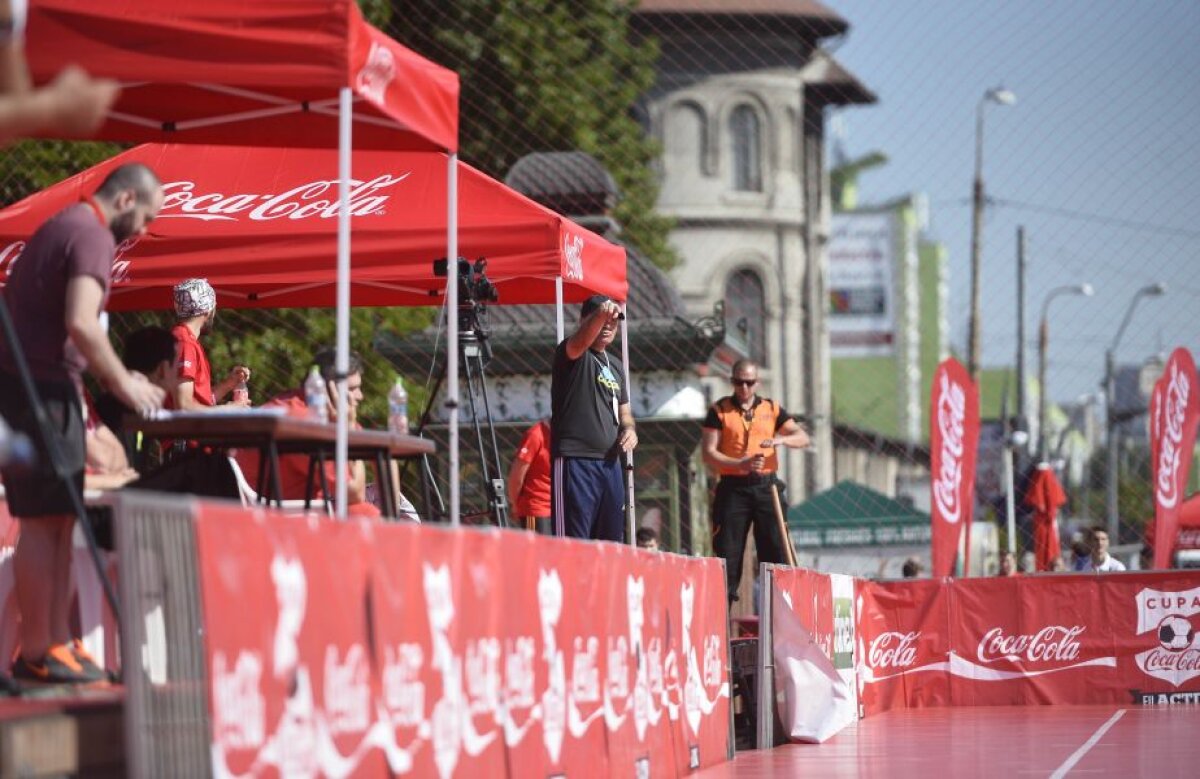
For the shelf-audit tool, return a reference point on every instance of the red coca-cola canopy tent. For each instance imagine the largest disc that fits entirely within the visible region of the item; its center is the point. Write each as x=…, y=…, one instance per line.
x=230, y=71
x=261, y=225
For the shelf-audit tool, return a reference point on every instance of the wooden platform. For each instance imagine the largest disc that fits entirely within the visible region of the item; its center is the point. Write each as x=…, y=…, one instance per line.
x=58, y=732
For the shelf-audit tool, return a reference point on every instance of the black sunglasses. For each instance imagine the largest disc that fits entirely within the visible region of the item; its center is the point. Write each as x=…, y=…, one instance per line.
x=743, y=382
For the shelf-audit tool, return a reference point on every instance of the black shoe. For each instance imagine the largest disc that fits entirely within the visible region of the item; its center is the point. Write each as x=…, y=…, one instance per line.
x=58, y=666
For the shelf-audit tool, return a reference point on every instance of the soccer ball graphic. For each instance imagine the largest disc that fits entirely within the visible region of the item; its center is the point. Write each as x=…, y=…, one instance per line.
x=1175, y=633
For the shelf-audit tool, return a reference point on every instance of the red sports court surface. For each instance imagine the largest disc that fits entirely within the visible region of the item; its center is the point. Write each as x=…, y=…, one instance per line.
x=1000, y=741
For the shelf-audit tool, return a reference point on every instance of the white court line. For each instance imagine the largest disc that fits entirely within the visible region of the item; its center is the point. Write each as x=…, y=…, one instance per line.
x=1078, y=754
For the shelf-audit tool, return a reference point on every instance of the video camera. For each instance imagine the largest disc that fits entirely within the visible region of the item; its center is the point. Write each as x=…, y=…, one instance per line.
x=474, y=287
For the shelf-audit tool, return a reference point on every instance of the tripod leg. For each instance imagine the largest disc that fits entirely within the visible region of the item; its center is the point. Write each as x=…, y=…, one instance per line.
x=496, y=492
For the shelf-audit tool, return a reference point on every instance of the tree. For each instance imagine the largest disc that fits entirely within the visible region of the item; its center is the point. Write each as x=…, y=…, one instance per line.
x=549, y=75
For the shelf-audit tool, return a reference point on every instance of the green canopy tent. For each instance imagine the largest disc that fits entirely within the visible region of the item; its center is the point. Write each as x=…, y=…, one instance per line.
x=853, y=529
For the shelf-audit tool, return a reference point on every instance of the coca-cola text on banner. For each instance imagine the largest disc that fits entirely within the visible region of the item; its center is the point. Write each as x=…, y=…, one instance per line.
x=1174, y=413
x=954, y=436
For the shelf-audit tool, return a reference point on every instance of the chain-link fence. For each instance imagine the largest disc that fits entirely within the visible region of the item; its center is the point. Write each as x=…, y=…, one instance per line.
x=728, y=145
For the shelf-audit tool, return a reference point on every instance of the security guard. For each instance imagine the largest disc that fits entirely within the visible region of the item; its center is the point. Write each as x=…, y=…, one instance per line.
x=740, y=434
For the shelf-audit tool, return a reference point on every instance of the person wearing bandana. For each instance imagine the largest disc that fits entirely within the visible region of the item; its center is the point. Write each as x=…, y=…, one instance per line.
x=591, y=428
x=195, y=313
x=739, y=438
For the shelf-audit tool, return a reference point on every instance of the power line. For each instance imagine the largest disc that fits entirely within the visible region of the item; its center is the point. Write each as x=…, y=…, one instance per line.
x=1082, y=216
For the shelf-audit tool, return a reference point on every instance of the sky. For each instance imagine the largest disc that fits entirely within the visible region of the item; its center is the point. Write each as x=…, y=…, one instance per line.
x=1102, y=149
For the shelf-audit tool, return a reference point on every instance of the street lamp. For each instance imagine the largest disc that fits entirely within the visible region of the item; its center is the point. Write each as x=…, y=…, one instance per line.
x=1112, y=416
x=1043, y=338
x=999, y=96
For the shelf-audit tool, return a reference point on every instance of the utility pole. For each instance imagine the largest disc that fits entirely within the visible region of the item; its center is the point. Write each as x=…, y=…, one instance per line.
x=1022, y=421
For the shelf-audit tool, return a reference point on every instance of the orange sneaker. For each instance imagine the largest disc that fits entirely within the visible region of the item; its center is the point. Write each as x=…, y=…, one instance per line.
x=58, y=666
x=88, y=663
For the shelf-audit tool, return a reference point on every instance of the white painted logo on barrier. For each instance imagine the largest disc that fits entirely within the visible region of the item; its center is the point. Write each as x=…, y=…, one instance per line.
x=1168, y=615
x=893, y=650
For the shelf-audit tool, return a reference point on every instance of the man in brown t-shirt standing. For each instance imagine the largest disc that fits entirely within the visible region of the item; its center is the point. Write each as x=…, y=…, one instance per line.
x=55, y=292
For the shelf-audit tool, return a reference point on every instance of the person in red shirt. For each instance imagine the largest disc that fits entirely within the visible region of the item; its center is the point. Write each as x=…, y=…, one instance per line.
x=195, y=312
x=529, y=479
x=293, y=468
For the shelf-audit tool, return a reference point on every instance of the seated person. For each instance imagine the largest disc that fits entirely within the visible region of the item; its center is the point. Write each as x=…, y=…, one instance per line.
x=149, y=351
x=106, y=466
x=647, y=538
x=294, y=467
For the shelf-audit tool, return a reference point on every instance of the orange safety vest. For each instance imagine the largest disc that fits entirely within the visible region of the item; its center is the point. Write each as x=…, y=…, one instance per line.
x=741, y=436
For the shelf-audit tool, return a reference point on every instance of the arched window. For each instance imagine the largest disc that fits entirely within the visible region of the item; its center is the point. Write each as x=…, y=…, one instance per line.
x=683, y=139
x=746, y=314
x=746, y=133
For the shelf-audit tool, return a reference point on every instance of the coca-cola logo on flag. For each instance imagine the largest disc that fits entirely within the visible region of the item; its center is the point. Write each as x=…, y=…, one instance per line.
x=1173, y=412
x=953, y=439
x=1167, y=617
x=1174, y=415
x=951, y=413
x=311, y=200
x=1053, y=643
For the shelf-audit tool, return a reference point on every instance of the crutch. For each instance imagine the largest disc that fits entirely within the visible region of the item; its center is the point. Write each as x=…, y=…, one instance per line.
x=783, y=531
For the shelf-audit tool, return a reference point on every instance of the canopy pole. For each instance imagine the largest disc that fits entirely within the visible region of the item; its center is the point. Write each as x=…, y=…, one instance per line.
x=559, y=330
x=342, y=364
x=630, y=511
x=452, y=330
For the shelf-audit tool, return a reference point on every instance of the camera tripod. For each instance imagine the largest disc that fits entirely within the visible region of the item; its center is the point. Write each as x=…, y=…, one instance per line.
x=475, y=352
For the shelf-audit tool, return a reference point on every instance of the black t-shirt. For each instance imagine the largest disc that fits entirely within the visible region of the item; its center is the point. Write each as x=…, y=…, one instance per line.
x=584, y=421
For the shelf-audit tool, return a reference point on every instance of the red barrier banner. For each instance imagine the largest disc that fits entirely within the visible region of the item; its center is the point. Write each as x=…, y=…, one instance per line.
x=954, y=439
x=1174, y=414
x=1073, y=639
x=290, y=679
x=348, y=649
x=901, y=662
x=698, y=636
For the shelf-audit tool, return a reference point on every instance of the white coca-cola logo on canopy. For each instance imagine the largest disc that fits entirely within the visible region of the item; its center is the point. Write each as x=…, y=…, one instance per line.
x=951, y=416
x=573, y=250
x=377, y=73
x=312, y=200
x=1173, y=413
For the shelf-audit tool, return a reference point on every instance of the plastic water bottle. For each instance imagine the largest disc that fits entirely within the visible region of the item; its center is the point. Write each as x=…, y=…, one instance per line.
x=316, y=397
x=241, y=393
x=398, y=408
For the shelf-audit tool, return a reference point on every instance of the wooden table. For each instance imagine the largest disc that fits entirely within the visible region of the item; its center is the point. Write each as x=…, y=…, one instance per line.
x=278, y=434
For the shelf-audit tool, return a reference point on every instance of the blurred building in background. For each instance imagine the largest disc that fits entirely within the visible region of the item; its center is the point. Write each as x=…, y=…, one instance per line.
x=739, y=108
